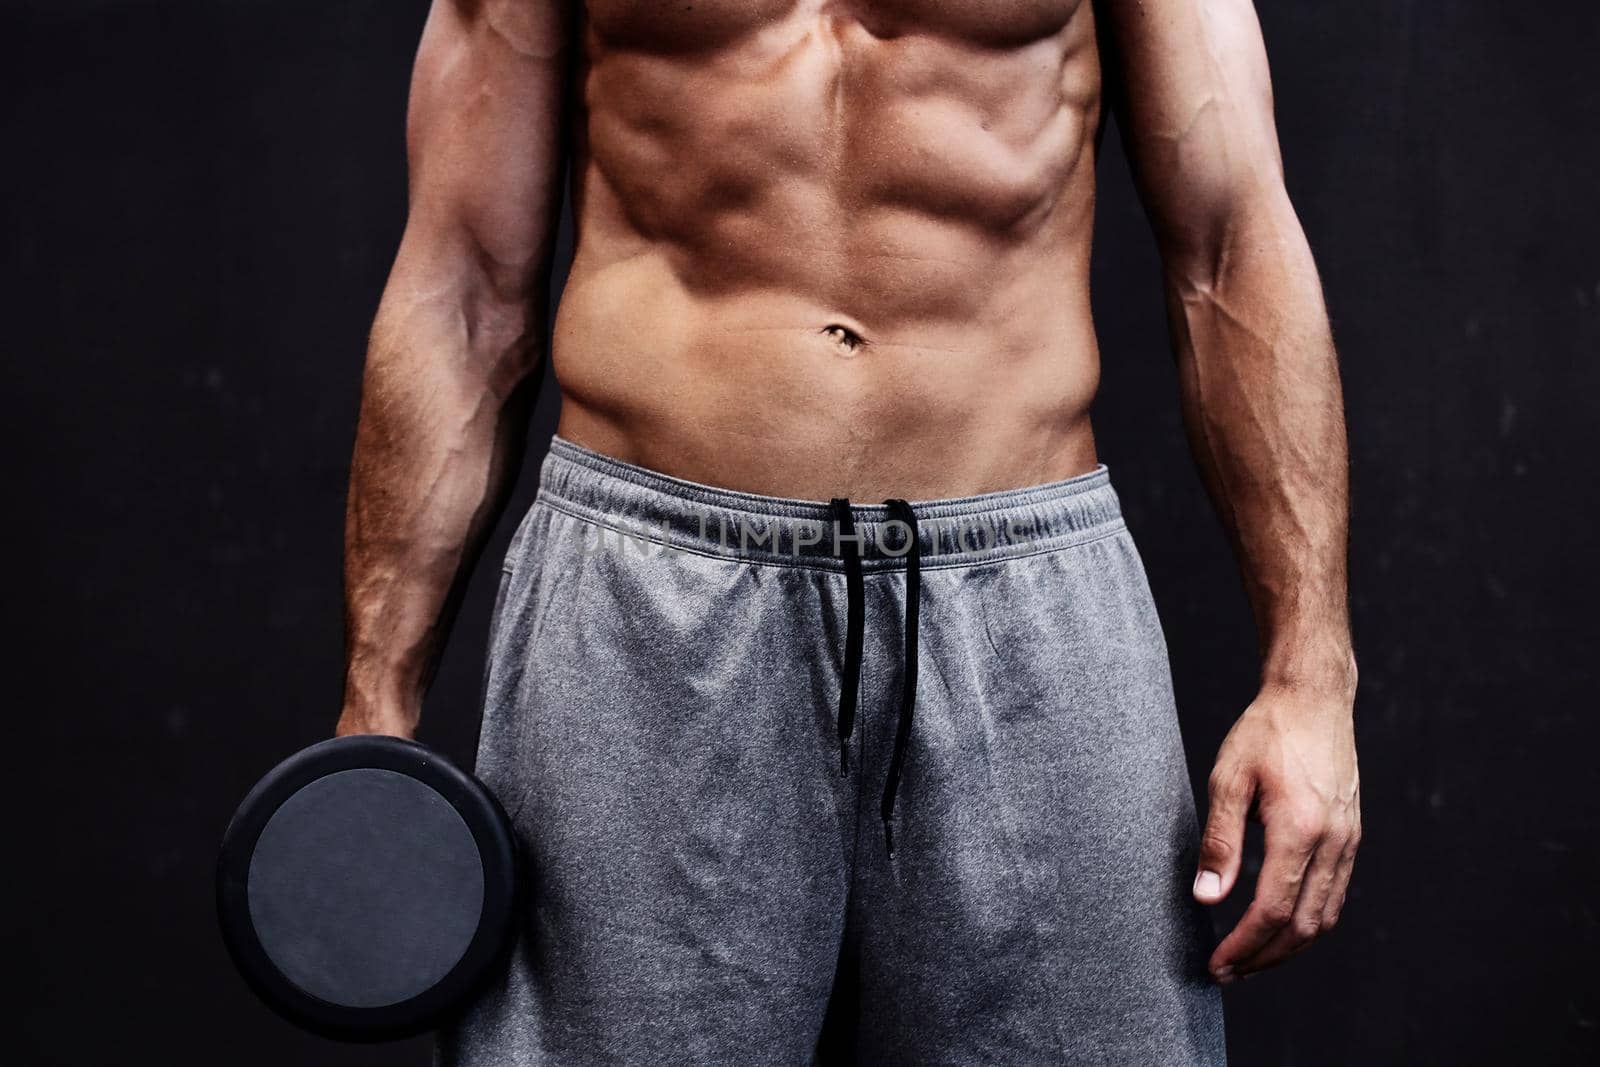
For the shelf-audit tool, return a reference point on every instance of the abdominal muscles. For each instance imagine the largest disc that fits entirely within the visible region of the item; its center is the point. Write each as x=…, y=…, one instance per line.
x=856, y=229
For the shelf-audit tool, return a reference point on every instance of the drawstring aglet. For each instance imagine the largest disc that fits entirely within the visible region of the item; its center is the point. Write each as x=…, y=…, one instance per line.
x=888, y=837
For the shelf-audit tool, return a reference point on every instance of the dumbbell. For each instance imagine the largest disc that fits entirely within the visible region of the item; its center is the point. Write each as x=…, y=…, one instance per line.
x=366, y=886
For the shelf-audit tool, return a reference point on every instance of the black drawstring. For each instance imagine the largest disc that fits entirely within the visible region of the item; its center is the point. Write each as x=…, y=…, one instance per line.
x=855, y=622
x=908, y=687
x=849, y=546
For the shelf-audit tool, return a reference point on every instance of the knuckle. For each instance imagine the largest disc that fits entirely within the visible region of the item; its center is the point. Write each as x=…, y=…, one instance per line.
x=1216, y=845
x=1307, y=927
x=1277, y=912
x=1225, y=785
x=1307, y=824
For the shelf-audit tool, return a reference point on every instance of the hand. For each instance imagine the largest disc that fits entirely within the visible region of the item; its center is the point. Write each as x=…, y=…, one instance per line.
x=1292, y=757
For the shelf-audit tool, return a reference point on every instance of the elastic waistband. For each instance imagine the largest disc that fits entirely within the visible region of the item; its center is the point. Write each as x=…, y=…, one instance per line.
x=652, y=509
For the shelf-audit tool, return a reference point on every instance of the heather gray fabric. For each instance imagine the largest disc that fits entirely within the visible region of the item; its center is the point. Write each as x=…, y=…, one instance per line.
x=706, y=887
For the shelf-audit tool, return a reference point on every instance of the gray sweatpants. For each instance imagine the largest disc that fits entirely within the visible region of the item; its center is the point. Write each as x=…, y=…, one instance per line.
x=708, y=817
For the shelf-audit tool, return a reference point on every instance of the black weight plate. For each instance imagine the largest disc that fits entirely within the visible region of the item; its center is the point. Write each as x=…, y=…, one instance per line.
x=365, y=887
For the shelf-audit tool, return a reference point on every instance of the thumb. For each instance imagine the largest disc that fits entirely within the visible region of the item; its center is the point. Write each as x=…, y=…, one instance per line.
x=1222, y=843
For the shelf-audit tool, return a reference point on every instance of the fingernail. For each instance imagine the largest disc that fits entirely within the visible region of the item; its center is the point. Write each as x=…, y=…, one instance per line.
x=1209, y=884
x=1223, y=975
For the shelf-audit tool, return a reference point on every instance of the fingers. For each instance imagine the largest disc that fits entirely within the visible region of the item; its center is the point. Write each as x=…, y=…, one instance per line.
x=1298, y=896
x=1341, y=882
x=1222, y=842
x=1310, y=911
x=1290, y=848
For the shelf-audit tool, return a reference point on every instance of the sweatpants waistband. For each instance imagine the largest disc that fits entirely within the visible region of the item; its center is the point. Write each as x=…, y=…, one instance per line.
x=657, y=509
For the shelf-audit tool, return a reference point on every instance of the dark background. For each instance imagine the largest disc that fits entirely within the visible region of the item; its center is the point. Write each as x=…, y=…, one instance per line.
x=200, y=203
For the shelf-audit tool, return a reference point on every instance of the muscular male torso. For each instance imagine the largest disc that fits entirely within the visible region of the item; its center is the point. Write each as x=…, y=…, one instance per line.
x=832, y=247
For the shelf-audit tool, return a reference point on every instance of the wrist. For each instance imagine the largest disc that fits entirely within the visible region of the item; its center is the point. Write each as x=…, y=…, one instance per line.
x=374, y=707
x=394, y=724
x=1326, y=669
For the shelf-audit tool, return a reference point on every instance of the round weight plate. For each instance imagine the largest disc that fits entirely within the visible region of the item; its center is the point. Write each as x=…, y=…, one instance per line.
x=365, y=887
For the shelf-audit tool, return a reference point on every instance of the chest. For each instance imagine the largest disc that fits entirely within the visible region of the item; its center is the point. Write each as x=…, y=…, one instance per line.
x=691, y=24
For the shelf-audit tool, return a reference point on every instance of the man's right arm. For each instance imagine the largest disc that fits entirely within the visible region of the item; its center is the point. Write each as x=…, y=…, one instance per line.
x=459, y=332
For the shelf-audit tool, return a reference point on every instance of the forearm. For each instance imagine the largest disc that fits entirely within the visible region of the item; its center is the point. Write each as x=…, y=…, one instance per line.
x=443, y=420
x=458, y=338
x=1263, y=408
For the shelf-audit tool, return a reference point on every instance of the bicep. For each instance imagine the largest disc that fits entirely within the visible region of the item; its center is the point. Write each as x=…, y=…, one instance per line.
x=485, y=133
x=1193, y=98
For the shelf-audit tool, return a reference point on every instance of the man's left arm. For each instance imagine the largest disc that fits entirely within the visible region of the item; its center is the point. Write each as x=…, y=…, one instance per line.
x=1259, y=385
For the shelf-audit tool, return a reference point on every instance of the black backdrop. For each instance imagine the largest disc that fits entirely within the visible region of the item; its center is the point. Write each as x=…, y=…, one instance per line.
x=200, y=202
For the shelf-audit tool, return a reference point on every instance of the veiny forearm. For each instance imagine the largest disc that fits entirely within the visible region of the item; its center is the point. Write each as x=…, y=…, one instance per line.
x=443, y=417
x=1260, y=385
x=1262, y=404
x=458, y=340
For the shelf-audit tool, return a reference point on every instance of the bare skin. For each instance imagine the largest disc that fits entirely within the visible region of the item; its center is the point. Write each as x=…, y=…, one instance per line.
x=838, y=248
